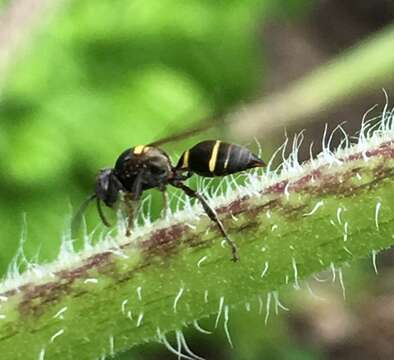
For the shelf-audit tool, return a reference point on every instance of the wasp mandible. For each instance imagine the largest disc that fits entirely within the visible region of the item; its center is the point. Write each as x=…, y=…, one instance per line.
x=146, y=166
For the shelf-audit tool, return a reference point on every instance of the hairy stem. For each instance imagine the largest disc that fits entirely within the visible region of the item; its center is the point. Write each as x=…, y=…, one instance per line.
x=99, y=303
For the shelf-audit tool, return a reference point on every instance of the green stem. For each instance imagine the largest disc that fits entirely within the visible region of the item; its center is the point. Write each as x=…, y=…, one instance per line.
x=168, y=276
x=366, y=66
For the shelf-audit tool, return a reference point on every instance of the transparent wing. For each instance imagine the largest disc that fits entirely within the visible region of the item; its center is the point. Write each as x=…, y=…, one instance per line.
x=204, y=125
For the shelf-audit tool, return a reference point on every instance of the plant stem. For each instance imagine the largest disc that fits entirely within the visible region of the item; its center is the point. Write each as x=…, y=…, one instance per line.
x=101, y=303
x=365, y=66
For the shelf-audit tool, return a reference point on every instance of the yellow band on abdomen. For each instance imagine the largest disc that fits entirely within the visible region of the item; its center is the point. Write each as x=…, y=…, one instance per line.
x=214, y=156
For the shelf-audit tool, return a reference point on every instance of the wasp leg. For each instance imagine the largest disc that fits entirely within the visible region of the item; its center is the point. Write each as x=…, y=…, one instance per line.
x=211, y=214
x=131, y=201
x=78, y=216
x=131, y=211
x=101, y=213
x=181, y=176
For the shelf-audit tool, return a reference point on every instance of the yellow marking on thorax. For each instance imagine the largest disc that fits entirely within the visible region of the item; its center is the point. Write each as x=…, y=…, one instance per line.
x=185, y=163
x=214, y=156
x=139, y=149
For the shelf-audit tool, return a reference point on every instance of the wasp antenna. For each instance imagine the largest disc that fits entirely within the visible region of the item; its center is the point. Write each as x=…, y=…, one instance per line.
x=76, y=221
x=101, y=214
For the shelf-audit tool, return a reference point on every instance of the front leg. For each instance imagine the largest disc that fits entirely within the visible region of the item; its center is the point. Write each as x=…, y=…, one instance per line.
x=131, y=202
x=211, y=214
x=131, y=206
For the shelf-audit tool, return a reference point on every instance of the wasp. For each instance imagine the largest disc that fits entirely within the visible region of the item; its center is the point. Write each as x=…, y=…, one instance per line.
x=144, y=167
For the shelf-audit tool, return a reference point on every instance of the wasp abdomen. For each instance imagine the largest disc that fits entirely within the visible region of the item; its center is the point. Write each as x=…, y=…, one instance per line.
x=216, y=158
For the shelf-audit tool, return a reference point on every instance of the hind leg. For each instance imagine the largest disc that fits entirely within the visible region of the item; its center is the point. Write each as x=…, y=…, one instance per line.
x=211, y=214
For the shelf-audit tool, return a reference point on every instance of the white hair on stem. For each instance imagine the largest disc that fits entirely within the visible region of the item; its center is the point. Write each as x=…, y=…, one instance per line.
x=318, y=279
x=177, y=297
x=182, y=340
x=267, y=308
x=139, y=293
x=261, y=304
x=60, y=313
x=200, y=329
x=333, y=271
x=315, y=208
x=374, y=253
x=341, y=282
x=226, y=330
x=264, y=272
x=111, y=346
x=221, y=303
x=312, y=293
x=295, y=270
x=41, y=355
x=140, y=319
x=377, y=210
x=278, y=304
x=177, y=352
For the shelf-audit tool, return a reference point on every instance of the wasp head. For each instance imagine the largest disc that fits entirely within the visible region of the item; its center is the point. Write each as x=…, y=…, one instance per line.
x=107, y=186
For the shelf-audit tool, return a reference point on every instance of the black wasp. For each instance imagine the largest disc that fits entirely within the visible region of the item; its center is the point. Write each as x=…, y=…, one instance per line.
x=146, y=166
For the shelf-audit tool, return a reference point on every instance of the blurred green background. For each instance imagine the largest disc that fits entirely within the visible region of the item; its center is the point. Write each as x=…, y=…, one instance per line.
x=87, y=80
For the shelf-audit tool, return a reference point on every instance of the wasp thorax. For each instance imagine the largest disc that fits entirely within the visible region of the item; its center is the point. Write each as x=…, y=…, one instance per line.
x=156, y=168
x=145, y=165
